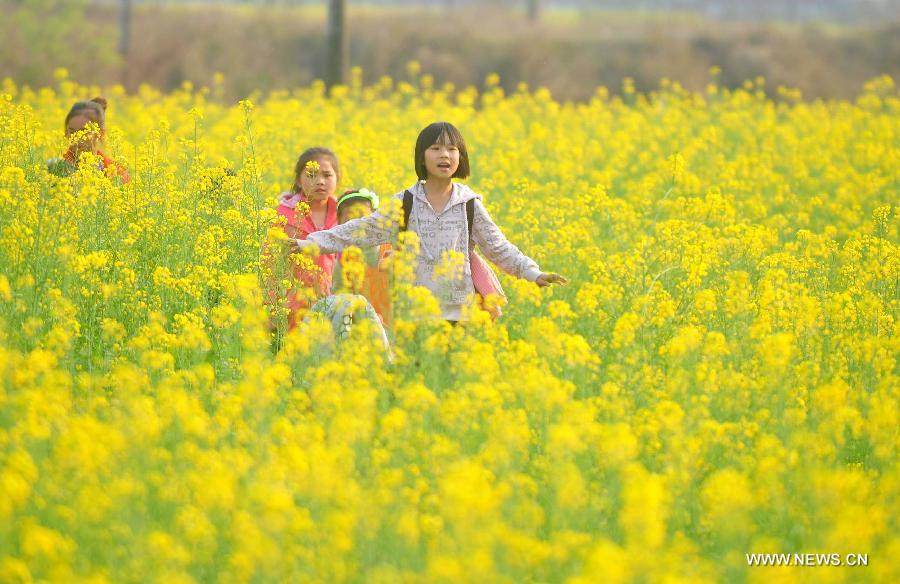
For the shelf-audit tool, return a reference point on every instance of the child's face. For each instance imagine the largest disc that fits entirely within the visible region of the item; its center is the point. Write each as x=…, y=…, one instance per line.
x=354, y=210
x=441, y=159
x=87, y=143
x=319, y=184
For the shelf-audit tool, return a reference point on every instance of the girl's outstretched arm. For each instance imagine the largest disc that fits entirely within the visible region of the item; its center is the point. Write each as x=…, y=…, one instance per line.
x=369, y=231
x=498, y=249
x=547, y=278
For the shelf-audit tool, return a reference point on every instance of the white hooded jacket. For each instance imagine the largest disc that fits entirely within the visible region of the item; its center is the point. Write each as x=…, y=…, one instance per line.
x=438, y=233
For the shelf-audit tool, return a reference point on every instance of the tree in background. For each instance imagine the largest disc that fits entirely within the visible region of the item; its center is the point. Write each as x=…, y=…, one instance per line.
x=124, y=28
x=534, y=10
x=337, y=43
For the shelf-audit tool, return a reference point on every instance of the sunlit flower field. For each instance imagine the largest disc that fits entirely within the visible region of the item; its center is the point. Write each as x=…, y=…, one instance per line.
x=720, y=376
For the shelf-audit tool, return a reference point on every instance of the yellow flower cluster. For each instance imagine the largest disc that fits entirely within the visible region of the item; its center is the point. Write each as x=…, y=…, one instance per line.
x=719, y=378
x=312, y=168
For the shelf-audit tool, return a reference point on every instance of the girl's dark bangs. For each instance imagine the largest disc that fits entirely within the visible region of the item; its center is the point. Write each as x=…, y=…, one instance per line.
x=434, y=132
x=454, y=137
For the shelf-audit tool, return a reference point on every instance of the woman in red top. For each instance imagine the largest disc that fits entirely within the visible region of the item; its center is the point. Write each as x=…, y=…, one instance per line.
x=85, y=130
x=310, y=206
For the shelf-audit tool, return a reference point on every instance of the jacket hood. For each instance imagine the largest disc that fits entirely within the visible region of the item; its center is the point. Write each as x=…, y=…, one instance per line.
x=289, y=199
x=465, y=193
x=461, y=193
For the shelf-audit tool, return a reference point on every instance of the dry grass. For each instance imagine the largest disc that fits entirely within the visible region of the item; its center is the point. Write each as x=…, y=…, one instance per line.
x=570, y=53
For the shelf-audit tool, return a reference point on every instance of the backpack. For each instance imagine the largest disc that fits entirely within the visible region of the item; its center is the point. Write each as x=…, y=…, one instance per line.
x=483, y=277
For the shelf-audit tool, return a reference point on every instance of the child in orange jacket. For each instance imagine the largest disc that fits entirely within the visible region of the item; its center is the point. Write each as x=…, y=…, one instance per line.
x=375, y=282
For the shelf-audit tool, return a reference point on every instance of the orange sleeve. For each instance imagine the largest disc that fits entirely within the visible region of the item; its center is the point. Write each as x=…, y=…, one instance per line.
x=384, y=254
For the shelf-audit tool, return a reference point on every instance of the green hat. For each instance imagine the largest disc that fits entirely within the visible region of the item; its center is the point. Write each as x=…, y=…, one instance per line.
x=364, y=194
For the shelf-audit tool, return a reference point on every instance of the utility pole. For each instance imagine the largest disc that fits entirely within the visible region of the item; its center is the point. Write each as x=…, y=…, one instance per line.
x=534, y=10
x=124, y=28
x=337, y=44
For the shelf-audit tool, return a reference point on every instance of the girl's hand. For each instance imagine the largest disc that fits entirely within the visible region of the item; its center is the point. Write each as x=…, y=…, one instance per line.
x=548, y=278
x=298, y=245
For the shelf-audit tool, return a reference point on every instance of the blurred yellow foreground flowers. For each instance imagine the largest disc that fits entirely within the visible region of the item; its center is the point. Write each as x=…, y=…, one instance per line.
x=719, y=378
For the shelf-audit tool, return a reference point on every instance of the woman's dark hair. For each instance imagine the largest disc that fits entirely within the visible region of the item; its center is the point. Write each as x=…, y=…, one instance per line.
x=96, y=108
x=308, y=156
x=446, y=133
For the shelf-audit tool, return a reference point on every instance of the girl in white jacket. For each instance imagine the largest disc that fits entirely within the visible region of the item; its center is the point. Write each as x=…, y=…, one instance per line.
x=438, y=216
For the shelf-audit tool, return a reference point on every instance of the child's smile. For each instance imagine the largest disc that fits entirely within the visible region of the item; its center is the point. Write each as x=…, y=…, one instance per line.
x=442, y=160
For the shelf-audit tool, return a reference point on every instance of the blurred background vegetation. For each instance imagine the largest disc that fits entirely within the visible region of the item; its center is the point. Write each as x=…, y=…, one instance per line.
x=825, y=48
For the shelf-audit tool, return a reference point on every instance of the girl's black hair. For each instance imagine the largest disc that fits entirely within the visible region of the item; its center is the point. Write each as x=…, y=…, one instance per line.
x=431, y=135
x=95, y=108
